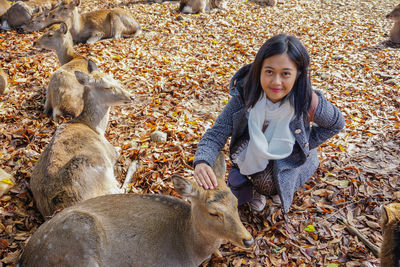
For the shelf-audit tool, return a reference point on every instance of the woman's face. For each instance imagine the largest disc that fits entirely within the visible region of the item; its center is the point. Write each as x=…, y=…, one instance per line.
x=278, y=75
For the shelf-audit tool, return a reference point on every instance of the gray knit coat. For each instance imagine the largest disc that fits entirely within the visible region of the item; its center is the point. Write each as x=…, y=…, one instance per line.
x=290, y=173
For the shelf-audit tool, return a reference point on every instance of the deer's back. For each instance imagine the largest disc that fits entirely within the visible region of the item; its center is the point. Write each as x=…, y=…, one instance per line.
x=100, y=20
x=76, y=165
x=115, y=230
x=4, y=5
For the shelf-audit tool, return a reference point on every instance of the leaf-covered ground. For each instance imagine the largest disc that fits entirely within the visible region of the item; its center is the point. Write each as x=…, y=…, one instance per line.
x=179, y=70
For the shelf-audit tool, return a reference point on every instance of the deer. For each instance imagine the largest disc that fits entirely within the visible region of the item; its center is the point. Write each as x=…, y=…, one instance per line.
x=64, y=94
x=21, y=12
x=390, y=224
x=200, y=6
x=4, y=6
x=142, y=229
x=395, y=31
x=78, y=162
x=92, y=26
x=3, y=81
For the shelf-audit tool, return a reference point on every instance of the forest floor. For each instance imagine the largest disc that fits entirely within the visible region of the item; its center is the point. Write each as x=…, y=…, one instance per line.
x=179, y=68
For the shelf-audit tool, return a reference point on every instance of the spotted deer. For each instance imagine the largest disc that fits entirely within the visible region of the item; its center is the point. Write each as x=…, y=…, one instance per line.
x=64, y=93
x=21, y=12
x=78, y=162
x=390, y=247
x=395, y=31
x=200, y=6
x=141, y=230
x=92, y=26
x=3, y=81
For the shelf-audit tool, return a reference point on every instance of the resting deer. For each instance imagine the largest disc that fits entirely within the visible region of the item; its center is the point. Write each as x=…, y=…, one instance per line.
x=20, y=13
x=395, y=31
x=3, y=81
x=78, y=162
x=92, y=26
x=64, y=92
x=390, y=248
x=200, y=6
x=141, y=230
x=4, y=6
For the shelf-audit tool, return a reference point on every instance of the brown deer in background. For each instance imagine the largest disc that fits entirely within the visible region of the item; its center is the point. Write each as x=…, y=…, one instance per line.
x=20, y=13
x=78, y=162
x=92, y=26
x=141, y=230
x=390, y=248
x=395, y=31
x=200, y=6
x=64, y=92
x=3, y=81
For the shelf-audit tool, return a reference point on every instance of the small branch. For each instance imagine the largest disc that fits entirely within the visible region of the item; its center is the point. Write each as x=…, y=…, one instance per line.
x=354, y=231
x=128, y=179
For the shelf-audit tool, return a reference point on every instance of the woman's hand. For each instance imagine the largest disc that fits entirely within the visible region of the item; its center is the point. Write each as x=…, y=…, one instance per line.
x=204, y=176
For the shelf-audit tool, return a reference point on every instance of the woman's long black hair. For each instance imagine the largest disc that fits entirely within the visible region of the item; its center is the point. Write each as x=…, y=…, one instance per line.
x=300, y=95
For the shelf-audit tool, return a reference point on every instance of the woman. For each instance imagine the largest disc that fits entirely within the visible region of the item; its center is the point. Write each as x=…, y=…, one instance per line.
x=275, y=121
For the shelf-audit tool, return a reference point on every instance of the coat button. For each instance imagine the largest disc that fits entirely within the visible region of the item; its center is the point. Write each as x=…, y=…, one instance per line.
x=306, y=145
x=297, y=131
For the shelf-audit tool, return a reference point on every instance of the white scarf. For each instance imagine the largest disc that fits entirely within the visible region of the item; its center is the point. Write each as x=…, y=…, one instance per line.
x=277, y=141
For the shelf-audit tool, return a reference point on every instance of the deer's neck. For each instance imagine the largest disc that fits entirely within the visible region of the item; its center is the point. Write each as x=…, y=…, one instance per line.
x=395, y=32
x=76, y=21
x=65, y=52
x=94, y=113
x=201, y=244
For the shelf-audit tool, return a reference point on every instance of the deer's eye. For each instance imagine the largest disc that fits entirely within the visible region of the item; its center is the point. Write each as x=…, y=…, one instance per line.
x=214, y=214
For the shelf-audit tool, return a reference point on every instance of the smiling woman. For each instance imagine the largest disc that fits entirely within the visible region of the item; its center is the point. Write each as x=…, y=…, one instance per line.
x=278, y=76
x=273, y=143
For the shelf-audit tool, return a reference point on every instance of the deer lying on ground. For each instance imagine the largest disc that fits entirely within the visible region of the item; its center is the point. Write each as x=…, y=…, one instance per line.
x=4, y=6
x=78, y=162
x=390, y=248
x=92, y=26
x=200, y=6
x=395, y=31
x=64, y=92
x=3, y=81
x=141, y=230
x=20, y=13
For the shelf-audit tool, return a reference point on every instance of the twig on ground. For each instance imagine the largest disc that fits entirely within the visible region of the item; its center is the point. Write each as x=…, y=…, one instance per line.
x=354, y=231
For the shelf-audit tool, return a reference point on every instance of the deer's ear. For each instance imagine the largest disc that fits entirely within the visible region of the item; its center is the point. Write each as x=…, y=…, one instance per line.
x=63, y=27
x=220, y=167
x=92, y=66
x=82, y=78
x=183, y=187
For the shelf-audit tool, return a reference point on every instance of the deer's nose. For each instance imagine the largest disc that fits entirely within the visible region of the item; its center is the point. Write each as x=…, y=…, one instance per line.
x=248, y=243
